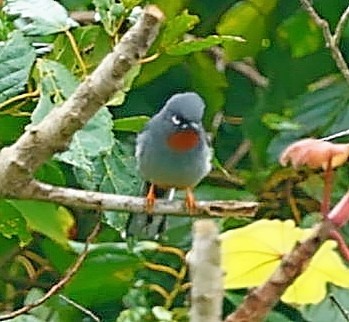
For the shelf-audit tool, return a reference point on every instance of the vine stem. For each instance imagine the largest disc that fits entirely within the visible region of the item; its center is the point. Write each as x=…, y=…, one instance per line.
x=76, y=52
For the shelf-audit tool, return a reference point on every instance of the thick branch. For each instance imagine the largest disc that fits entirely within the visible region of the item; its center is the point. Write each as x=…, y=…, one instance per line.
x=104, y=201
x=261, y=300
x=19, y=161
x=206, y=274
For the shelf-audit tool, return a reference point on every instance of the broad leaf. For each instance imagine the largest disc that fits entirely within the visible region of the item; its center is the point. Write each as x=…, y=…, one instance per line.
x=112, y=171
x=209, y=83
x=12, y=223
x=109, y=272
x=319, y=113
x=326, y=310
x=110, y=13
x=189, y=46
x=46, y=218
x=95, y=138
x=177, y=27
x=259, y=249
x=156, y=68
x=56, y=83
x=16, y=60
x=94, y=44
x=39, y=17
x=131, y=124
x=301, y=34
x=247, y=20
x=11, y=128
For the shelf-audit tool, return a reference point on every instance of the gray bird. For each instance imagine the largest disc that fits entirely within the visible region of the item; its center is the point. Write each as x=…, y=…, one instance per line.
x=172, y=151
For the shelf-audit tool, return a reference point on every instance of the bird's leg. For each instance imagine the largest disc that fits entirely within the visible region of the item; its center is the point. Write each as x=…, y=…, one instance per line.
x=150, y=199
x=190, y=200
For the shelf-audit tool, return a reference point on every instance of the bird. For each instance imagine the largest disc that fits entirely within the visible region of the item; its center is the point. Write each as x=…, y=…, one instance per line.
x=173, y=151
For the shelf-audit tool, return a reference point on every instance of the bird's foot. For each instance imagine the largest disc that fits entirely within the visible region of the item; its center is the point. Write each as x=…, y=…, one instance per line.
x=190, y=201
x=150, y=200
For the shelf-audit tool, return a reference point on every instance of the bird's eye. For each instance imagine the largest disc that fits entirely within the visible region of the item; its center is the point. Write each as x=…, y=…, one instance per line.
x=176, y=120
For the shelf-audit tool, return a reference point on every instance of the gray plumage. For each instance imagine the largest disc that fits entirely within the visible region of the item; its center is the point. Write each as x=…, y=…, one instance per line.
x=160, y=164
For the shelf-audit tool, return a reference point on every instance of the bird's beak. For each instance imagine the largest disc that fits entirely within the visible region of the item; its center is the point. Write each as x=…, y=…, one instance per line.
x=194, y=126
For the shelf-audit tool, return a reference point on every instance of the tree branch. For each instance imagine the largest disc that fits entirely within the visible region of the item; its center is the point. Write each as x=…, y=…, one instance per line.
x=104, y=201
x=261, y=300
x=332, y=41
x=53, y=134
x=206, y=274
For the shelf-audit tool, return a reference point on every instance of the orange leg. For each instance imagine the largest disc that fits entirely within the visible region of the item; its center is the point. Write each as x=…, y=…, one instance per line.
x=190, y=201
x=150, y=199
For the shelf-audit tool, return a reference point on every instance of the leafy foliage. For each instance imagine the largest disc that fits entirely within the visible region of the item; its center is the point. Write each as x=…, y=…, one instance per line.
x=267, y=79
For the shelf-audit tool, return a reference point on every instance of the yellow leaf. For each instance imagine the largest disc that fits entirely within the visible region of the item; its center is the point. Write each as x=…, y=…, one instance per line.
x=325, y=266
x=252, y=253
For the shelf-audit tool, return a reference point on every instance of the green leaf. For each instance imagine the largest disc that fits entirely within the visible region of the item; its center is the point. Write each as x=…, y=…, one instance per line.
x=95, y=138
x=156, y=68
x=111, y=13
x=16, y=60
x=209, y=83
x=170, y=8
x=113, y=172
x=135, y=314
x=162, y=314
x=246, y=20
x=319, y=113
x=279, y=122
x=56, y=80
x=274, y=316
x=11, y=128
x=131, y=124
x=301, y=34
x=189, y=46
x=119, y=96
x=12, y=223
x=56, y=85
x=327, y=310
x=109, y=273
x=46, y=218
x=39, y=17
x=51, y=173
x=177, y=27
x=130, y=4
x=50, y=311
x=265, y=7
x=94, y=44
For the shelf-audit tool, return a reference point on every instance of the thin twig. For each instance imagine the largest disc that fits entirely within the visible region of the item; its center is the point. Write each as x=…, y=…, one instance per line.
x=340, y=26
x=77, y=52
x=250, y=72
x=19, y=98
x=238, y=154
x=93, y=316
x=332, y=41
x=58, y=286
x=336, y=135
x=345, y=313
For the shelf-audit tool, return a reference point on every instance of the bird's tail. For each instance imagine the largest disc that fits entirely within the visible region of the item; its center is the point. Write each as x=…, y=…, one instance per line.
x=147, y=226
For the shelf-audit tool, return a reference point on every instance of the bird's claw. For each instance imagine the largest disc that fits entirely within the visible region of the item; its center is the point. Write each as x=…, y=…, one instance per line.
x=150, y=200
x=190, y=202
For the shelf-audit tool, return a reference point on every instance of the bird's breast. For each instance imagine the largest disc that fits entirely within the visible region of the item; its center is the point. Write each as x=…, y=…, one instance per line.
x=183, y=141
